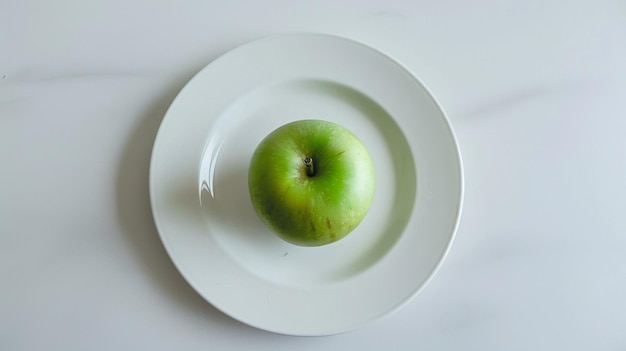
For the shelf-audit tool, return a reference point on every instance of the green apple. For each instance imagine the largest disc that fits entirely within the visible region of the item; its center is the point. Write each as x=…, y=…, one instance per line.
x=311, y=181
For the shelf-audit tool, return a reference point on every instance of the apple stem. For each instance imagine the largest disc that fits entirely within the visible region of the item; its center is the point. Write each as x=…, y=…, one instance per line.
x=310, y=170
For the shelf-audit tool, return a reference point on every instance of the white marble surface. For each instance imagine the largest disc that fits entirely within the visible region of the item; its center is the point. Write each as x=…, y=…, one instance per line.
x=536, y=91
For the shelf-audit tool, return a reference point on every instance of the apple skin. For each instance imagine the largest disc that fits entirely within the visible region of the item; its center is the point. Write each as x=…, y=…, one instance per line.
x=311, y=206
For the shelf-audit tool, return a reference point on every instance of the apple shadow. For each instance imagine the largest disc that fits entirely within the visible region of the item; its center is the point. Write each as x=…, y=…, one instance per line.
x=137, y=222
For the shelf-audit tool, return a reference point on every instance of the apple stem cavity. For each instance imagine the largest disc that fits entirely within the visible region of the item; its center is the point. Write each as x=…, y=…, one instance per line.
x=310, y=169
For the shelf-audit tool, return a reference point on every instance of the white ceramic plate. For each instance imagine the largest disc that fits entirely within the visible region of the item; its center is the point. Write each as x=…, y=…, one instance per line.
x=199, y=193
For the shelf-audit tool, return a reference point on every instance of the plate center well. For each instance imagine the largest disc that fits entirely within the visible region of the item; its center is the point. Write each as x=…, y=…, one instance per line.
x=230, y=217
